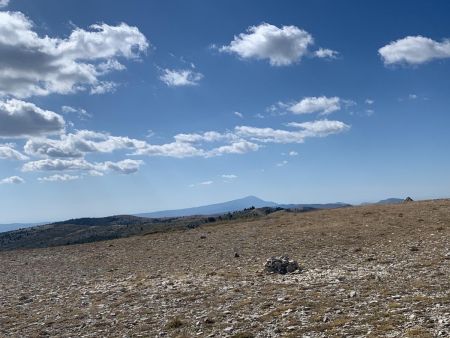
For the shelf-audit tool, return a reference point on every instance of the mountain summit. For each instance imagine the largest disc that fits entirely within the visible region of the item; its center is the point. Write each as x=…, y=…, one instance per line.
x=235, y=205
x=211, y=209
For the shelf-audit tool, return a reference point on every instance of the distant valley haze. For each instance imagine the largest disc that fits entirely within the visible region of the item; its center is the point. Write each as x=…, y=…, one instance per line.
x=214, y=209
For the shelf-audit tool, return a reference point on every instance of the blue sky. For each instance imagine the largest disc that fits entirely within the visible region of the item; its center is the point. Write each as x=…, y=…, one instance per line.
x=173, y=104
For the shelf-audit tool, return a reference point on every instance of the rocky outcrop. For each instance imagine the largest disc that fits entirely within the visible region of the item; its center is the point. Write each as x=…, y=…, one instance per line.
x=281, y=265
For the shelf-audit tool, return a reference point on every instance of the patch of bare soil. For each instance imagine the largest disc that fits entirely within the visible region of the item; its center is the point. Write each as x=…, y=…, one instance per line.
x=372, y=271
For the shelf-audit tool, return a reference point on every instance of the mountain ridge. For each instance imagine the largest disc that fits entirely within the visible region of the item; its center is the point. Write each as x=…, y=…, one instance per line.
x=234, y=205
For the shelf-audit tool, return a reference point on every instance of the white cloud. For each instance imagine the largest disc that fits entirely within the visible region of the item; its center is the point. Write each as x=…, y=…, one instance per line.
x=12, y=180
x=281, y=46
x=173, y=149
x=79, y=144
x=7, y=151
x=4, y=3
x=293, y=153
x=229, y=176
x=82, y=113
x=95, y=173
x=33, y=65
x=58, y=178
x=58, y=165
x=322, y=105
x=414, y=50
x=369, y=101
x=125, y=166
x=238, y=147
x=23, y=119
x=282, y=163
x=324, y=53
x=103, y=87
x=238, y=114
x=68, y=151
x=209, y=136
x=318, y=128
x=270, y=135
x=206, y=183
x=182, y=77
x=412, y=96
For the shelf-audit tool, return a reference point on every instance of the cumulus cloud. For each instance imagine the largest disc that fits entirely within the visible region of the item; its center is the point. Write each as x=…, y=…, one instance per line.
x=4, y=3
x=238, y=114
x=293, y=153
x=325, y=53
x=58, y=178
x=282, y=163
x=209, y=136
x=102, y=87
x=414, y=50
x=22, y=119
x=127, y=166
x=182, y=77
x=68, y=152
x=33, y=65
x=238, y=147
x=8, y=152
x=281, y=46
x=270, y=135
x=206, y=183
x=322, y=105
x=124, y=167
x=173, y=149
x=12, y=180
x=369, y=101
x=58, y=165
x=318, y=128
x=79, y=144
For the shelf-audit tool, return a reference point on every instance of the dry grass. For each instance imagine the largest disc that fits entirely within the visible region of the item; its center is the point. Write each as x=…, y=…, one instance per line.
x=186, y=286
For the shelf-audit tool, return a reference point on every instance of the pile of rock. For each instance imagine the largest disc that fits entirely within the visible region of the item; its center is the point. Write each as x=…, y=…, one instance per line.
x=282, y=265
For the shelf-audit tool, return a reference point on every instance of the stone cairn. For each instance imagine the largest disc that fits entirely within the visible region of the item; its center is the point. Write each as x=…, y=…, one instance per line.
x=281, y=265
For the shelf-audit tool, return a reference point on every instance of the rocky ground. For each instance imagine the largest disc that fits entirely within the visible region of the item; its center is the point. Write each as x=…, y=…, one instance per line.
x=372, y=271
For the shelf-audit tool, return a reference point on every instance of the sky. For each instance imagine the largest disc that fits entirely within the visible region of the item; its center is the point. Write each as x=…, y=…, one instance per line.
x=135, y=106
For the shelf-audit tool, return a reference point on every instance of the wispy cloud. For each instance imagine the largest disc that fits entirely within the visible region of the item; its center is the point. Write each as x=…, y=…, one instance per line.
x=58, y=178
x=282, y=163
x=229, y=176
x=180, y=77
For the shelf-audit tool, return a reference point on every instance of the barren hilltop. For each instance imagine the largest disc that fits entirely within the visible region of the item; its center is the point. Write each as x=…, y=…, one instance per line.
x=368, y=271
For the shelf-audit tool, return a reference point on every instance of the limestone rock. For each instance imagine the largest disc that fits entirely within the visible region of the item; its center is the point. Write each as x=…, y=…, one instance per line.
x=281, y=265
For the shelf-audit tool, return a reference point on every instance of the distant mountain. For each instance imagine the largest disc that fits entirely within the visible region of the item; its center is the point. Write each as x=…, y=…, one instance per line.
x=235, y=205
x=15, y=226
x=213, y=209
x=386, y=201
x=391, y=201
